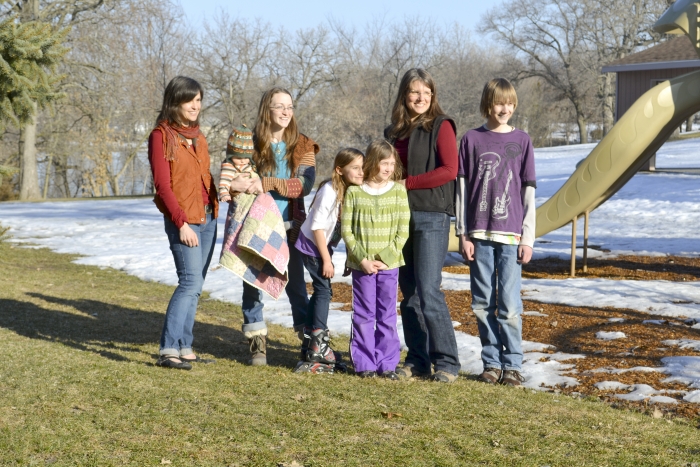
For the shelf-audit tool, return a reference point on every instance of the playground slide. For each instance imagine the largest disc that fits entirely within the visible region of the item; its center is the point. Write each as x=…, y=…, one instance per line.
x=623, y=151
x=634, y=138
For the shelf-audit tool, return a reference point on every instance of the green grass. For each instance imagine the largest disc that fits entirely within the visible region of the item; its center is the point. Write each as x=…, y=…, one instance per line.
x=79, y=387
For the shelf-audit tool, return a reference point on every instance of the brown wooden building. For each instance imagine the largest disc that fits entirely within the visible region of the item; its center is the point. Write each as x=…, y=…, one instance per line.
x=639, y=72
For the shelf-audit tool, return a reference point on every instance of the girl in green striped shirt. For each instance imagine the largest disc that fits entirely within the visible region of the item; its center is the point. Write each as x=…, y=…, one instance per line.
x=374, y=226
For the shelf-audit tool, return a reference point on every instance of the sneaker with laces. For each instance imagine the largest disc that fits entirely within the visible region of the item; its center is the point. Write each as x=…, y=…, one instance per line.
x=442, y=376
x=319, y=349
x=491, y=376
x=408, y=370
x=512, y=378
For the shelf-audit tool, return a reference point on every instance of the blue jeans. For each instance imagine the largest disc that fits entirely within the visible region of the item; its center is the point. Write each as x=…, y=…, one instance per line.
x=252, y=304
x=191, y=264
x=427, y=325
x=495, y=282
x=320, y=301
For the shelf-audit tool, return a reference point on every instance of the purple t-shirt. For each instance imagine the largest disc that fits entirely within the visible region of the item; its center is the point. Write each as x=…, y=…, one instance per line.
x=495, y=167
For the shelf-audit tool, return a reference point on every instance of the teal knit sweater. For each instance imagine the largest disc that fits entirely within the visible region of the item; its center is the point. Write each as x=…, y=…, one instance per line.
x=375, y=227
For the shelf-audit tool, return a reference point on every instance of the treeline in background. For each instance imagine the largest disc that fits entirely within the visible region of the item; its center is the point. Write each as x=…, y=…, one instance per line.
x=82, y=80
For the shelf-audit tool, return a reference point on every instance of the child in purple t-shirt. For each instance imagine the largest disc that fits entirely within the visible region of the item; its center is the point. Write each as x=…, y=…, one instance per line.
x=496, y=226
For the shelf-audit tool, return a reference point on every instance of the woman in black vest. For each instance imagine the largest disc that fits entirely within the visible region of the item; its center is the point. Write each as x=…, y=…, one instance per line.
x=426, y=141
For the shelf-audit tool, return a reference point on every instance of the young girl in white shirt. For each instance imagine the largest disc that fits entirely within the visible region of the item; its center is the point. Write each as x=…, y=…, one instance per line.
x=320, y=233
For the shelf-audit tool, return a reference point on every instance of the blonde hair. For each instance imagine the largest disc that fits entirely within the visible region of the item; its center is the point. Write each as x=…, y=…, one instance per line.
x=377, y=151
x=263, y=157
x=497, y=91
x=344, y=157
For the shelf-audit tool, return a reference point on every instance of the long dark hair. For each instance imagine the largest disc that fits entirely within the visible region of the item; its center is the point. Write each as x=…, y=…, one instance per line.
x=401, y=124
x=263, y=157
x=179, y=90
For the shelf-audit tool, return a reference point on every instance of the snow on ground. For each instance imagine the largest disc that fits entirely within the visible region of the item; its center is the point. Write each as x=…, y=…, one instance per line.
x=610, y=335
x=127, y=234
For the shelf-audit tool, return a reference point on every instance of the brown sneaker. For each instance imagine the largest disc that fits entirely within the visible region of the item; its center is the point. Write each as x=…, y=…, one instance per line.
x=442, y=376
x=491, y=376
x=407, y=371
x=512, y=378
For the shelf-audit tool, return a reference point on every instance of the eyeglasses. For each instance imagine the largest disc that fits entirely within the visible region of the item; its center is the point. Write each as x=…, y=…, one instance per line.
x=424, y=95
x=281, y=108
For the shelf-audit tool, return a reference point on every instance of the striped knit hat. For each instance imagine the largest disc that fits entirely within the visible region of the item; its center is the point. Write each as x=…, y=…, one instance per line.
x=240, y=143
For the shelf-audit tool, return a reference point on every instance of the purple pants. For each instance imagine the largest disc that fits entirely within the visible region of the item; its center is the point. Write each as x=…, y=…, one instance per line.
x=374, y=342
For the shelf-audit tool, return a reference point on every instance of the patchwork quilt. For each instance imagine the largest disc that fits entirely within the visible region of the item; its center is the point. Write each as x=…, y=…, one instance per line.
x=255, y=243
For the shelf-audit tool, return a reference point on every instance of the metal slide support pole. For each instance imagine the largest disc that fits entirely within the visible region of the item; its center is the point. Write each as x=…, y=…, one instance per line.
x=573, y=247
x=585, y=242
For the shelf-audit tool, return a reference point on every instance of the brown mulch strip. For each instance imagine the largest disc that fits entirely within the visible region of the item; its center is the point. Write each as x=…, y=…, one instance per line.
x=572, y=329
x=670, y=268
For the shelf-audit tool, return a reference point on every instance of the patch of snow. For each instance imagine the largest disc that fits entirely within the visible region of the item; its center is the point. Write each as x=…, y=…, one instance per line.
x=684, y=370
x=693, y=397
x=611, y=386
x=640, y=392
x=610, y=335
x=683, y=343
x=616, y=320
x=534, y=313
x=654, y=321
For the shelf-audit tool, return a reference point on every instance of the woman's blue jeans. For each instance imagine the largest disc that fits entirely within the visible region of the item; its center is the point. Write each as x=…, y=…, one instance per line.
x=191, y=264
x=252, y=304
x=427, y=325
x=495, y=283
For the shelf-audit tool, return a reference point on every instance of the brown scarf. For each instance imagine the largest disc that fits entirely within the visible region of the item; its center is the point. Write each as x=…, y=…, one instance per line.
x=170, y=139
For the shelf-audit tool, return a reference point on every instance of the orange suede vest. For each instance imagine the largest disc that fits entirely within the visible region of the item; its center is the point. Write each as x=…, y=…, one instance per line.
x=188, y=170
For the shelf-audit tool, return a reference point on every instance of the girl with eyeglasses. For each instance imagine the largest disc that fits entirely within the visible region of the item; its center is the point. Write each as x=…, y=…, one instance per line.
x=425, y=138
x=286, y=162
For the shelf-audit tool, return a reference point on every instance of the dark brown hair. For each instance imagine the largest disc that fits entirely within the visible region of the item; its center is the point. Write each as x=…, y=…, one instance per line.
x=263, y=157
x=401, y=124
x=179, y=90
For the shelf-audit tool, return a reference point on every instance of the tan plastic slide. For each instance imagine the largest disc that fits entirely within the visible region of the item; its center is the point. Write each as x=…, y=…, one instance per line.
x=634, y=138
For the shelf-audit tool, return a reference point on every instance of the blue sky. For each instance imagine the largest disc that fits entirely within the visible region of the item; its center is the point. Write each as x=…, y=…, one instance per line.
x=309, y=13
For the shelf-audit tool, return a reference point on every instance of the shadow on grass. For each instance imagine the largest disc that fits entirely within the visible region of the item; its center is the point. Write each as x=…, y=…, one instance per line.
x=114, y=332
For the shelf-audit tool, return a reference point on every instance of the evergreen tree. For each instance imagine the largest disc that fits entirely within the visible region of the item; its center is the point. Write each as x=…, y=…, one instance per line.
x=29, y=53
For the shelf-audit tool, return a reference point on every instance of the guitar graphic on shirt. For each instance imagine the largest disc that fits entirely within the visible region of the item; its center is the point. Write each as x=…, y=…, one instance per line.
x=487, y=171
x=500, y=208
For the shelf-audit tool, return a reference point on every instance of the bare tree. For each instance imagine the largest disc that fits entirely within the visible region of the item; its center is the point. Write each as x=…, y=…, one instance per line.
x=550, y=34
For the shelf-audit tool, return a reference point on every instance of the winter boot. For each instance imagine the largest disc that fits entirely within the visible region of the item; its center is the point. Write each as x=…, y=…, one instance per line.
x=258, y=346
x=319, y=348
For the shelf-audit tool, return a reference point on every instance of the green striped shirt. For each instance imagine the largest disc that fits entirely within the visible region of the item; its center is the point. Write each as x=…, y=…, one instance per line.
x=375, y=227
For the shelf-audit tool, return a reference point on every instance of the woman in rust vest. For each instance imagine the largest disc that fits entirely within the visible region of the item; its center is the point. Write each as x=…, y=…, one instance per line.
x=425, y=139
x=186, y=195
x=286, y=162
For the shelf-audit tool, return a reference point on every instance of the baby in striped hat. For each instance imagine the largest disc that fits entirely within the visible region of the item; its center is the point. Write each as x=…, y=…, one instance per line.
x=239, y=160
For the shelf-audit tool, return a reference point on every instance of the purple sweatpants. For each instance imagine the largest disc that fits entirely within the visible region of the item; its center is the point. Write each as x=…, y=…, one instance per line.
x=374, y=342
